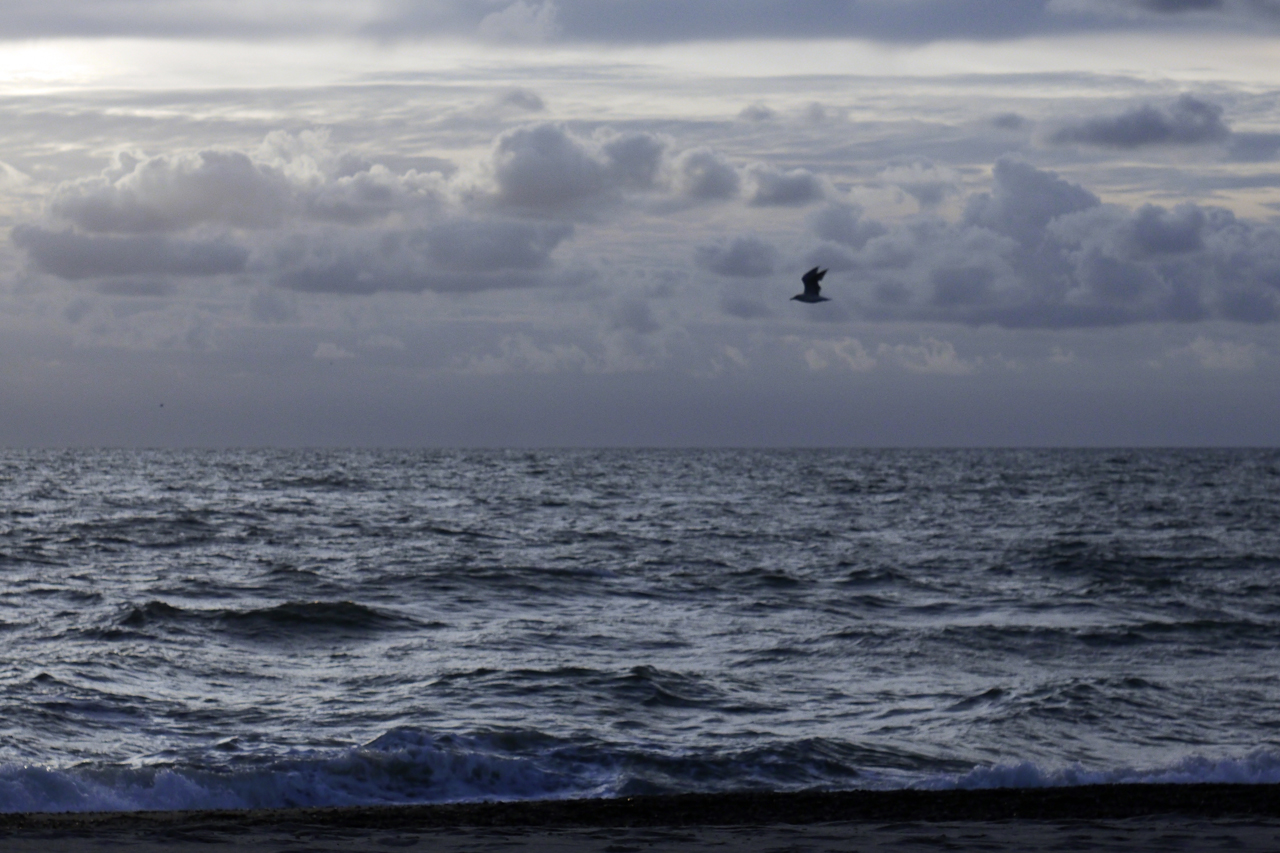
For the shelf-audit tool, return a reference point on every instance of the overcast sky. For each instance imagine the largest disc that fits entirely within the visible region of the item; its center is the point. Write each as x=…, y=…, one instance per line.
x=580, y=222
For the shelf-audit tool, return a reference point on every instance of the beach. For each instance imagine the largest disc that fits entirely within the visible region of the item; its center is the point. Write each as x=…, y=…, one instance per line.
x=1098, y=817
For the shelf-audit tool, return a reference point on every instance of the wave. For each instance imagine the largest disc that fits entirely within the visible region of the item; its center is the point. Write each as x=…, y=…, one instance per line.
x=291, y=619
x=408, y=765
x=402, y=766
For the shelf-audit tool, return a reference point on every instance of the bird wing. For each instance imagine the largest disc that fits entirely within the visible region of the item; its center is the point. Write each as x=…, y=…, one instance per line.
x=811, y=279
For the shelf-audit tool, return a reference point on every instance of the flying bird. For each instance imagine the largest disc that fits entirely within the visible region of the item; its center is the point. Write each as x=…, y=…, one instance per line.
x=811, y=288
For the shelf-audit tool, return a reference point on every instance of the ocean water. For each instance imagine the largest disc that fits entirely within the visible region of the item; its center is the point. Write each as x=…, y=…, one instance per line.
x=233, y=629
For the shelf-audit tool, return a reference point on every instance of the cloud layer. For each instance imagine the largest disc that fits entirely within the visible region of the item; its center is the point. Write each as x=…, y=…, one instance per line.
x=1038, y=251
x=620, y=20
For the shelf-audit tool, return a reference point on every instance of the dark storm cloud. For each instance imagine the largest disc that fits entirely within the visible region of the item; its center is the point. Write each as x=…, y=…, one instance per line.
x=1039, y=251
x=1189, y=121
x=69, y=255
x=744, y=257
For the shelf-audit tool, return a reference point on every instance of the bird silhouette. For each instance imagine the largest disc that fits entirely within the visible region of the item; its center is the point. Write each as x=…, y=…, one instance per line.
x=811, y=287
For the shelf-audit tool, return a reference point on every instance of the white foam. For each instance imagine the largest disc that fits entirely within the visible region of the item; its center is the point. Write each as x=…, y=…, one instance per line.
x=1259, y=767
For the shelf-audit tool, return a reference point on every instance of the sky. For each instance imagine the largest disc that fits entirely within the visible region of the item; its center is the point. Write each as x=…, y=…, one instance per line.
x=563, y=223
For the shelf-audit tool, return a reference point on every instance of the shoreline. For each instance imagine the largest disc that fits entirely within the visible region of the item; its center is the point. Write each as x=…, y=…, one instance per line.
x=747, y=808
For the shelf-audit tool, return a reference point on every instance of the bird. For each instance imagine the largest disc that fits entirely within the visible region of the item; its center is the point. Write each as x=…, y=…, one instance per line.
x=811, y=288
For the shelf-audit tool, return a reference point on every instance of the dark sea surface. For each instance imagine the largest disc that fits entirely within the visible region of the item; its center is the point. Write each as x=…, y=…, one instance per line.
x=201, y=629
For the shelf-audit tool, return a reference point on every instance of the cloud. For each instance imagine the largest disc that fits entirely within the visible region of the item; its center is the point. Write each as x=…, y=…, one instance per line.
x=488, y=246
x=1221, y=355
x=744, y=257
x=328, y=351
x=1201, y=13
x=847, y=353
x=929, y=356
x=69, y=255
x=634, y=315
x=134, y=287
x=456, y=256
x=544, y=166
x=910, y=21
x=922, y=180
x=520, y=21
x=522, y=99
x=1175, y=6
x=1189, y=121
x=633, y=159
x=521, y=353
x=174, y=193
x=744, y=307
x=304, y=179
x=1156, y=231
x=1254, y=147
x=371, y=194
x=706, y=175
x=1009, y=121
x=1039, y=251
x=757, y=112
x=656, y=21
x=773, y=187
x=1024, y=200
x=843, y=223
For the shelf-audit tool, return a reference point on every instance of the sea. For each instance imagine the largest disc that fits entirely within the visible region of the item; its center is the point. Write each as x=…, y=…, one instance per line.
x=232, y=629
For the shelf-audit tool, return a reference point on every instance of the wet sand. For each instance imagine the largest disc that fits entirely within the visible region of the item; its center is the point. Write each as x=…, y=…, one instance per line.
x=1106, y=817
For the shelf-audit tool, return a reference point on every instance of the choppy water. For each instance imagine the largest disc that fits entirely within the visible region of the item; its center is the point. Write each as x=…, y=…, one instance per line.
x=269, y=628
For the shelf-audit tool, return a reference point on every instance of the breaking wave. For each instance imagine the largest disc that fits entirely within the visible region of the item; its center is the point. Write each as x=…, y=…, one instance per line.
x=407, y=766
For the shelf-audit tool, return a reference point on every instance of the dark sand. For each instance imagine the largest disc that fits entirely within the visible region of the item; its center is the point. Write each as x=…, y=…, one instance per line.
x=1103, y=817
